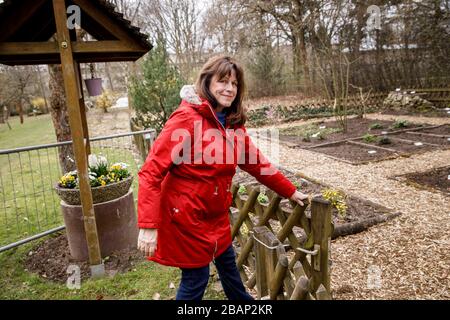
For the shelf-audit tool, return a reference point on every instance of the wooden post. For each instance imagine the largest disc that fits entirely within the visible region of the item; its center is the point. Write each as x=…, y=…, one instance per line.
x=322, y=293
x=288, y=283
x=260, y=254
x=83, y=110
x=75, y=36
x=279, y=275
x=75, y=121
x=270, y=210
x=321, y=228
x=271, y=257
x=301, y=289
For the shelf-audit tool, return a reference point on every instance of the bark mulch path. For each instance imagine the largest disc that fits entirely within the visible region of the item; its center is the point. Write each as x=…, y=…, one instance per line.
x=410, y=253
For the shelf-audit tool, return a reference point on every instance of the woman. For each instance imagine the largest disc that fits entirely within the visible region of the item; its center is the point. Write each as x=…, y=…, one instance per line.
x=184, y=185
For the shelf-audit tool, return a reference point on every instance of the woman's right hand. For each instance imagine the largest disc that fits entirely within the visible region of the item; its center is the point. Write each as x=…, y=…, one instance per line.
x=147, y=241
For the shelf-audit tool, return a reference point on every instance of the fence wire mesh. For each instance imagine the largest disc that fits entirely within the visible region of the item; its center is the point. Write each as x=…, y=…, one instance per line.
x=29, y=204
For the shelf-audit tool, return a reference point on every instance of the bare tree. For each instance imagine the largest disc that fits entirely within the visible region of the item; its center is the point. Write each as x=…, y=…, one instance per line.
x=178, y=23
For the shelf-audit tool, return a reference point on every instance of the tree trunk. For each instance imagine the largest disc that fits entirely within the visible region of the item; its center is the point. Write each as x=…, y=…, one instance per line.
x=41, y=86
x=2, y=113
x=60, y=117
x=300, y=57
x=304, y=60
x=20, y=108
x=108, y=75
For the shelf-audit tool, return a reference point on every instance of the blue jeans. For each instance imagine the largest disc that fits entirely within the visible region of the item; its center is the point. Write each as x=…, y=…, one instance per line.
x=194, y=281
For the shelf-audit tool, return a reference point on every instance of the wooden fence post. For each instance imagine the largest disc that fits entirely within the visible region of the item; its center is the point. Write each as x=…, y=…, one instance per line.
x=279, y=275
x=260, y=254
x=271, y=257
x=321, y=228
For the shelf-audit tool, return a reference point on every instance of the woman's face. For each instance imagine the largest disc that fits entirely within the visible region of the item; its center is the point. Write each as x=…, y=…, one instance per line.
x=224, y=90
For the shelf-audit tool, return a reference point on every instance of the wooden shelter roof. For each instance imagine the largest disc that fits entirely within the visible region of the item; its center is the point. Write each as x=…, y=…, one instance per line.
x=28, y=25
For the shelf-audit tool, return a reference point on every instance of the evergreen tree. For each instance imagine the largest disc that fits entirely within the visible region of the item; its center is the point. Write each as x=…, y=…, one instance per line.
x=266, y=70
x=157, y=93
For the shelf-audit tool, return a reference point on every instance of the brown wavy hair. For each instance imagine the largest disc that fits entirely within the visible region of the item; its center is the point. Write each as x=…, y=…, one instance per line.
x=222, y=66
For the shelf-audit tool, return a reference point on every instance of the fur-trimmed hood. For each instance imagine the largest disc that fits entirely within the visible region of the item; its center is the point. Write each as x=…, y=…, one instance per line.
x=188, y=94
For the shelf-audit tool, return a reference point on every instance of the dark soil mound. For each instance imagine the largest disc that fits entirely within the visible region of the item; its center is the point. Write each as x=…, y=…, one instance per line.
x=51, y=259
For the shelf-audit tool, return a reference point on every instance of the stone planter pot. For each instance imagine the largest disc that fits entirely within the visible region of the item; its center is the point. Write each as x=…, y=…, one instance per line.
x=116, y=226
x=99, y=194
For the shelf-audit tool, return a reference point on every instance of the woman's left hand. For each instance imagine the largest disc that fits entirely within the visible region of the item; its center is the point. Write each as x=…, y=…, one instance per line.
x=298, y=197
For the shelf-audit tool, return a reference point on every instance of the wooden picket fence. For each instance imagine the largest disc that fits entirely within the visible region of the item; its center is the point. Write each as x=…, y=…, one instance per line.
x=270, y=256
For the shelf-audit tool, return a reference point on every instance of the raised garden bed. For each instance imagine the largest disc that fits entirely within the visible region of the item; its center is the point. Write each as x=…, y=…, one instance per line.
x=420, y=136
x=439, y=130
x=434, y=179
x=400, y=146
x=354, y=153
x=364, y=142
x=360, y=214
x=306, y=135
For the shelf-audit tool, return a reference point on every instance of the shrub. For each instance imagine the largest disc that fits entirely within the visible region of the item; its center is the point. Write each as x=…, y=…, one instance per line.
x=104, y=101
x=369, y=138
x=375, y=126
x=398, y=124
x=38, y=104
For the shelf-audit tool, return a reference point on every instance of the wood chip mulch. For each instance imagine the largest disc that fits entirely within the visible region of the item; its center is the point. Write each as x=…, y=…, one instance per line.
x=405, y=258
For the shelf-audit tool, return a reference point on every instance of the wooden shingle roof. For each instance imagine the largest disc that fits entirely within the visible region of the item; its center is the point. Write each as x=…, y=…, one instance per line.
x=28, y=25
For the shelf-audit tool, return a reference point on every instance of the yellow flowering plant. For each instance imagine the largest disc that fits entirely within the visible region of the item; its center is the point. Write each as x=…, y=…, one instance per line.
x=337, y=199
x=69, y=180
x=100, y=173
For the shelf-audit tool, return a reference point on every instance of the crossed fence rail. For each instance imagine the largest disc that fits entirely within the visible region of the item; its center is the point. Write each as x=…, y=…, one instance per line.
x=29, y=207
x=282, y=250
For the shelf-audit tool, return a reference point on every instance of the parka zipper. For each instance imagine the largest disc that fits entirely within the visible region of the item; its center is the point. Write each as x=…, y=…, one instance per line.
x=215, y=117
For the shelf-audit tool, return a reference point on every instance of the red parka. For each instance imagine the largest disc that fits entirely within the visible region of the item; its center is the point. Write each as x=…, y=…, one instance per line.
x=188, y=202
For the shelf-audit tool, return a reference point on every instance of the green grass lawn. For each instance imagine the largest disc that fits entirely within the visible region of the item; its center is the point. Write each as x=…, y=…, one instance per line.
x=28, y=205
x=142, y=283
x=34, y=130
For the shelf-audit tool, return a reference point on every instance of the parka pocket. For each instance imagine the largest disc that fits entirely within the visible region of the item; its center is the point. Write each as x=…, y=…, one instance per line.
x=182, y=212
x=215, y=199
x=195, y=200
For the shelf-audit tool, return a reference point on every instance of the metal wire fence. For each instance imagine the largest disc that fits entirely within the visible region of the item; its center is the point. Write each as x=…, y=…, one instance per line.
x=29, y=206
